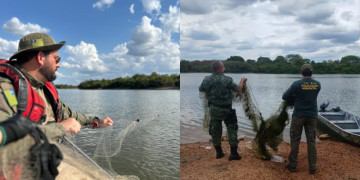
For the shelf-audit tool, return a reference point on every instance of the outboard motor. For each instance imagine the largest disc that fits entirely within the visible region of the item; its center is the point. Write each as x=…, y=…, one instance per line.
x=324, y=105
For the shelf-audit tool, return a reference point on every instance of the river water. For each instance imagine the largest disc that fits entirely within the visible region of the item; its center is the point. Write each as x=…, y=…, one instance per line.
x=341, y=90
x=151, y=151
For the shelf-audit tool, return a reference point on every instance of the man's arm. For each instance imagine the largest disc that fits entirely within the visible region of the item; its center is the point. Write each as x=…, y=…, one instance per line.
x=289, y=92
x=241, y=84
x=15, y=128
x=66, y=112
x=202, y=86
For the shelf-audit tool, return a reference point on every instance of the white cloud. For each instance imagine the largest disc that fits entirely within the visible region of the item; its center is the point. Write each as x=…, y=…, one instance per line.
x=166, y=60
x=347, y=16
x=171, y=20
x=145, y=39
x=150, y=49
x=67, y=65
x=151, y=5
x=119, y=54
x=313, y=29
x=84, y=57
x=132, y=9
x=7, y=48
x=16, y=27
x=102, y=4
x=60, y=74
x=199, y=7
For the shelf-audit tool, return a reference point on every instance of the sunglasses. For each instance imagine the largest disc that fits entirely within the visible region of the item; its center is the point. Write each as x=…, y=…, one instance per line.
x=57, y=59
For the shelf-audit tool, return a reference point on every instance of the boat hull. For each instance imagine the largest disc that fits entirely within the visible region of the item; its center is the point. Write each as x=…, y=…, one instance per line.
x=336, y=131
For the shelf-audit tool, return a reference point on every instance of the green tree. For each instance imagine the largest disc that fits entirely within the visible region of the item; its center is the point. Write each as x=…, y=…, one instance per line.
x=351, y=59
x=280, y=59
x=295, y=59
x=250, y=61
x=235, y=58
x=185, y=66
x=264, y=60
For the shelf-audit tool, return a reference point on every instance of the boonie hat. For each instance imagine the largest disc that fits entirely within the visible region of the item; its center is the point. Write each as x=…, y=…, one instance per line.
x=37, y=42
x=306, y=66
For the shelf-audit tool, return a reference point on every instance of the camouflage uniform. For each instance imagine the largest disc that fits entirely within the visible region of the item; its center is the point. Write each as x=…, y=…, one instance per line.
x=305, y=113
x=49, y=127
x=218, y=89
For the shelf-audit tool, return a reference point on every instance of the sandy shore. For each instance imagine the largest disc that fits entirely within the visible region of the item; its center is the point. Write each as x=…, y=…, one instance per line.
x=336, y=160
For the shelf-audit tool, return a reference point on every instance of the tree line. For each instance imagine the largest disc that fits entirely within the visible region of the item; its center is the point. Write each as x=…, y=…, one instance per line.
x=289, y=64
x=65, y=86
x=137, y=81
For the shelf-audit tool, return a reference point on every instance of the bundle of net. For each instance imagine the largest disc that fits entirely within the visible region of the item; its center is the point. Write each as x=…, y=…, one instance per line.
x=205, y=102
x=15, y=158
x=268, y=132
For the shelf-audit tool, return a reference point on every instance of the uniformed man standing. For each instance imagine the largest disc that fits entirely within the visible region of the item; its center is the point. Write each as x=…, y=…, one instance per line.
x=26, y=88
x=218, y=89
x=305, y=92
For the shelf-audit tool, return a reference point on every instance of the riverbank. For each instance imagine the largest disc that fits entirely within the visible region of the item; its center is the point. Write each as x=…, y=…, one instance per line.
x=336, y=160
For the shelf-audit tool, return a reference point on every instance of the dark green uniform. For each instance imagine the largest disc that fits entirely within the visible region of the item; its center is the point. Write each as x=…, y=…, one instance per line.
x=218, y=89
x=305, y=112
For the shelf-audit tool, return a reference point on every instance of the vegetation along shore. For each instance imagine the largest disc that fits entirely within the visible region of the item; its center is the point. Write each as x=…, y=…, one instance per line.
x=137, y=81
x=289, y=64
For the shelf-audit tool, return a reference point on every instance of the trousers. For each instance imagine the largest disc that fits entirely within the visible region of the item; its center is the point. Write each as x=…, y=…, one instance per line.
x=296, y=128
x=217, y=116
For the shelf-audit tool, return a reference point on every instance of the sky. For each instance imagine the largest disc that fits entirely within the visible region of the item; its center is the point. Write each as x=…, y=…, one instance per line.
x=317, y=30
x=105, y=39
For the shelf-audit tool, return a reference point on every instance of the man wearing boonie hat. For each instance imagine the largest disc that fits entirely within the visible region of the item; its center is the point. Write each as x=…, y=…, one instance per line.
x=26, y=88
x=304, y=92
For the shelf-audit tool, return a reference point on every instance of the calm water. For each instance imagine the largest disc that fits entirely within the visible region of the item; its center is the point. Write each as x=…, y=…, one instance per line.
x=151, y=151
x=341, y=90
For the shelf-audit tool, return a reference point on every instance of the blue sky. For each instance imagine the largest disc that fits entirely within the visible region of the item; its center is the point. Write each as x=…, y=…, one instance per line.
x=105, y=38
x=316, y=29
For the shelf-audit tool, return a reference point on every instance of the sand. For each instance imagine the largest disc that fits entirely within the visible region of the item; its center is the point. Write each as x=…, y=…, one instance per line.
x=336, y=160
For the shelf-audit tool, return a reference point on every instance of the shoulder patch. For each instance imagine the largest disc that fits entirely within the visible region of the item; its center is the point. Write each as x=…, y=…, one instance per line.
x=10, y=97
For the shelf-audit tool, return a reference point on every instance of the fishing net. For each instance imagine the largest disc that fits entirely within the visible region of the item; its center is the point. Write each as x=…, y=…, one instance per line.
x=269, y=131
x=15, y=158
x=110, y=144
x=205, y=102
x=250, y=107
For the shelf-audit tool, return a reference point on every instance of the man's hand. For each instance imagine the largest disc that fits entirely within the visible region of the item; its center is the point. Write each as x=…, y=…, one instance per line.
x=243, y=80
x=241, y=85
x=106, y=122
x=71, y=125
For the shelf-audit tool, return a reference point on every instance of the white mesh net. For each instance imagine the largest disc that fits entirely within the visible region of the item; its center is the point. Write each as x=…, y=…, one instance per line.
x=15, y=158
x=109, y=145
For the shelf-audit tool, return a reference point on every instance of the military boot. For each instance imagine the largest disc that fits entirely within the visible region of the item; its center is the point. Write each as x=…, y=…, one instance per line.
x=234, y=155
x=219, y=152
